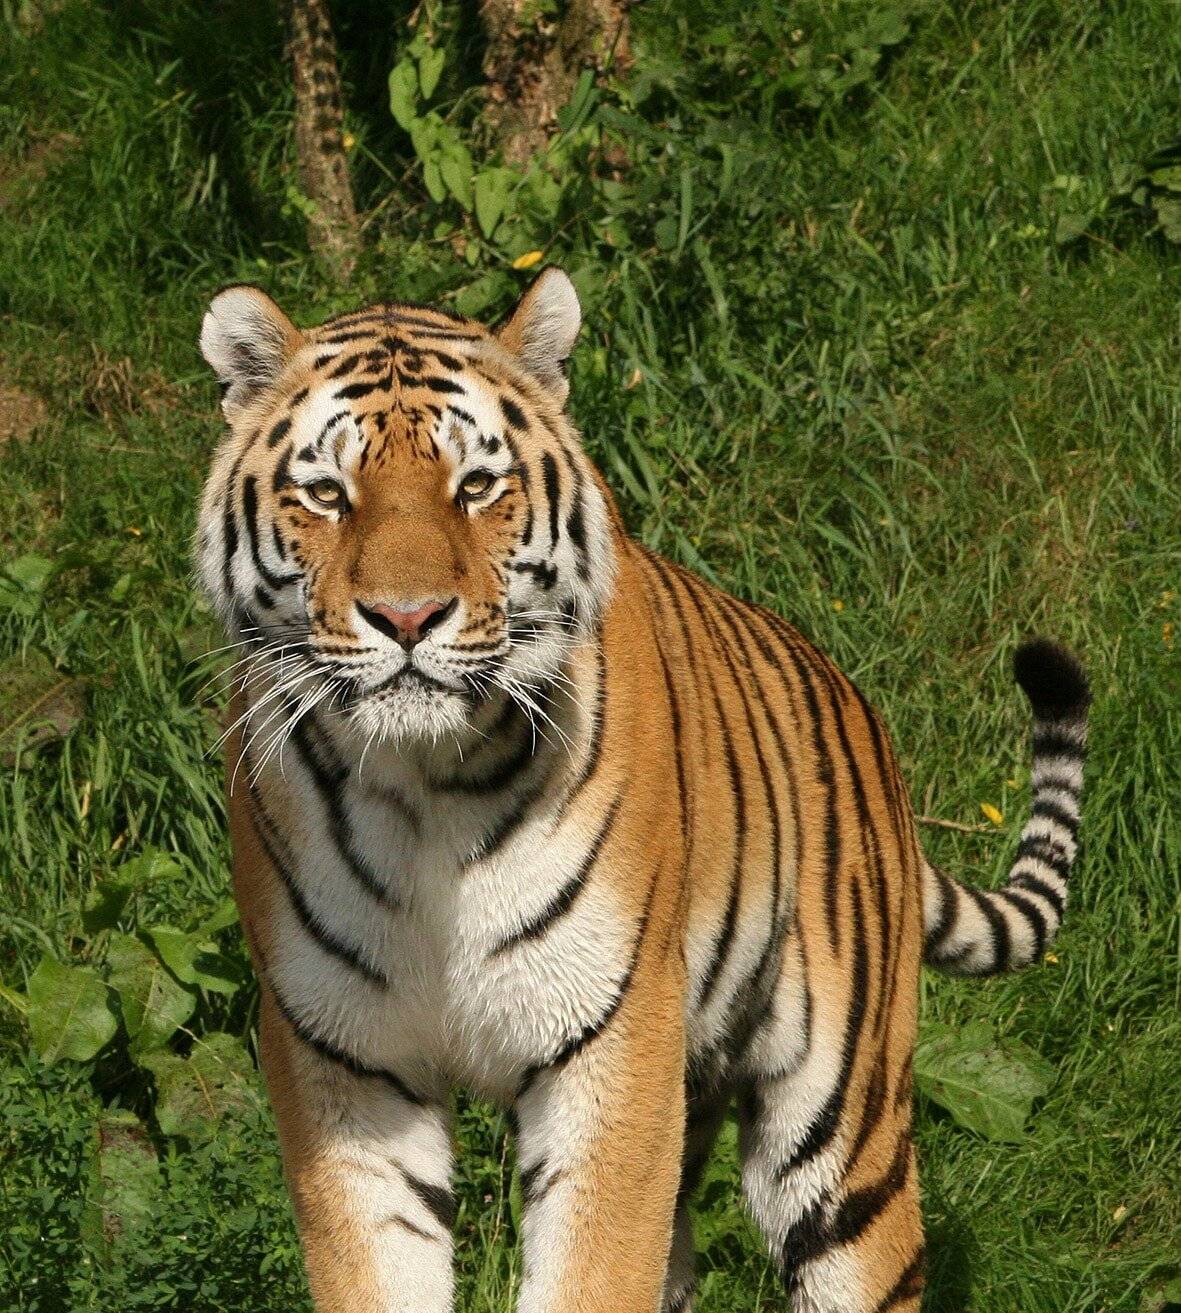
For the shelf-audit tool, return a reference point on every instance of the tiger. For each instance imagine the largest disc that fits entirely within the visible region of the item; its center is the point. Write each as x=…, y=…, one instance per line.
x=520, y=807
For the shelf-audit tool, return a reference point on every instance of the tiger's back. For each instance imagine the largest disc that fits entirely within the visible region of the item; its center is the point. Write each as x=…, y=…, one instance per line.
x=527, y=808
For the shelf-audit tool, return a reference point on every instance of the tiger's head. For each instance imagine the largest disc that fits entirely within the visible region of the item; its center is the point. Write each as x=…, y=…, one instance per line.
x=400, y=511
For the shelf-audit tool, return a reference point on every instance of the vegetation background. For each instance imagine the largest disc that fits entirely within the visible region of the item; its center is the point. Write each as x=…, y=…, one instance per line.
x=882, y=330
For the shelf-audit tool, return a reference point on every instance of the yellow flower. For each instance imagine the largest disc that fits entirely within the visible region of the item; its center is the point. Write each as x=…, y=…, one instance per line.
x=1010, y=784
x=527, y=261
x=348, y=141
x=1052, y=958
x=994, y=814
x=837, y=604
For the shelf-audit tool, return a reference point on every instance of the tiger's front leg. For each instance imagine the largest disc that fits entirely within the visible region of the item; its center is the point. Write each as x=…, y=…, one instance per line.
x=368, y=1170
x=600, y=1133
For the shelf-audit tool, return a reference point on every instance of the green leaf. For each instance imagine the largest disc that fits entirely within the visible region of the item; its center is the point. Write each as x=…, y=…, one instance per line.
x=456, y=166
x=224, y=915
x=492, y=190
x=483, y=292
x=30, y=572
x=17, y=1001
x=1070, y=227
x=430, y=67
x=70, y=1012
x=151, y=864
x=987, y=1084
x=665, y=232
x=37, y=704
x=194, y=960
x=432, y=175
x=193, y=1094
x=1162, y=1293
x=572, y=115
x=404, y=93
x=424, y=137
x=105, y=905
x=123, y=1186
x=153, y=1003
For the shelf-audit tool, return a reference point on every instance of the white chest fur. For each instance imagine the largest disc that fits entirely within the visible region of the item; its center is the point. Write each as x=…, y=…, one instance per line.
x=401, y=947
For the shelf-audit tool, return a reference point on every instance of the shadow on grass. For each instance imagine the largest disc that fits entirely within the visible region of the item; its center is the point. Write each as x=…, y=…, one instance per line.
x=949, y=1266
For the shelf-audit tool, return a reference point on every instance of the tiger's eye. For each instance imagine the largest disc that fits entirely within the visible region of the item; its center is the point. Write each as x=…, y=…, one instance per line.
x=477, y=483
x=327, y=493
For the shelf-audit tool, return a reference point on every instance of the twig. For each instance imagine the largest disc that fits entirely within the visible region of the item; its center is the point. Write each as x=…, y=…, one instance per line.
x=959, y=826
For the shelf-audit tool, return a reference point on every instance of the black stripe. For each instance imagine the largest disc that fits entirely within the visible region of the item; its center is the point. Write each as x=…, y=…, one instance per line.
x=1054, y=811
x=250, y=511
x=348, y=1061
x=1032, y=913
x=1063, y=783
x=594, y=752
x=544, y=574
x=593, y=1029
x=509, y=822
x=345, y=366
x=1035, y=885
x=531, y=1191
x=404, y=1223
x=279, y=432
x=353, y=391
x=576, y=532
x=1045, y=850
x=230, y=530
x=513, y=414
x=549, y=474
x=813, y=1235
x=824, y=1125
x=282, y=472
x=447, y=385
x=859, y=1209
x=508, y=770
x=871, y=1114
x=703, y=598
x=1052, y=741
x=436, y=1199
x=329, y=781
x=945, y=918
x=725, y=939
x=565, y=898
x=908, y=1286
x=267, y=833
x=998, y=927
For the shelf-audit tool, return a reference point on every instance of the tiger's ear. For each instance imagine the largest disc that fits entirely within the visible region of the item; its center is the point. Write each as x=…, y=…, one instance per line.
x=542, y=328
x=247, y=341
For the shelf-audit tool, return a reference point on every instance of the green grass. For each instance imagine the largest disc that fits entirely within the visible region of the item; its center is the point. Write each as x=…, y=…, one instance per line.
x=866, y=376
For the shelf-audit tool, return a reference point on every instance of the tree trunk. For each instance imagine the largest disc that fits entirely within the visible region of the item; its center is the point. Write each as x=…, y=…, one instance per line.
x=333, y=232
x=532, y=64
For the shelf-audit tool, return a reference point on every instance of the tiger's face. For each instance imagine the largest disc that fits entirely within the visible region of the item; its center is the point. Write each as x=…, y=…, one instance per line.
x=400, y=522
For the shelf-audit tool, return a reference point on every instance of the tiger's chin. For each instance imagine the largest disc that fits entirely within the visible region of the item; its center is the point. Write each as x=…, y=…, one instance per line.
x=412, y=713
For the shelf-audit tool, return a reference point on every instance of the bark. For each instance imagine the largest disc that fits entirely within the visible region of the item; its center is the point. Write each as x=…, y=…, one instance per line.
x=532, y=63
x=333, y=231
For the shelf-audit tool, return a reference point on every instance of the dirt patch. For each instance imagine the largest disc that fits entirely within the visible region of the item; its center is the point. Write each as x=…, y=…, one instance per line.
x=112, y=387
x=21, y=414
x=19, y=174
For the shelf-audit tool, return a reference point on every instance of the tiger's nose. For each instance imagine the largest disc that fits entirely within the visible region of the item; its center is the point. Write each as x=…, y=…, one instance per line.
x=407, y=627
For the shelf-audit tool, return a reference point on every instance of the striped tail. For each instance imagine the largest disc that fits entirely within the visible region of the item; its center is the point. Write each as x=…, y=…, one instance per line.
x=977, y=932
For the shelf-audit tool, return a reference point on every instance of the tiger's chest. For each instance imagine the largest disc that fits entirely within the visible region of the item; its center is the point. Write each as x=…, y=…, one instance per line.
x=394, y=948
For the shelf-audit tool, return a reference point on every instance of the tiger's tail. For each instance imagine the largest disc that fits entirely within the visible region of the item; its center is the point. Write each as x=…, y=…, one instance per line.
x=978, y=932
